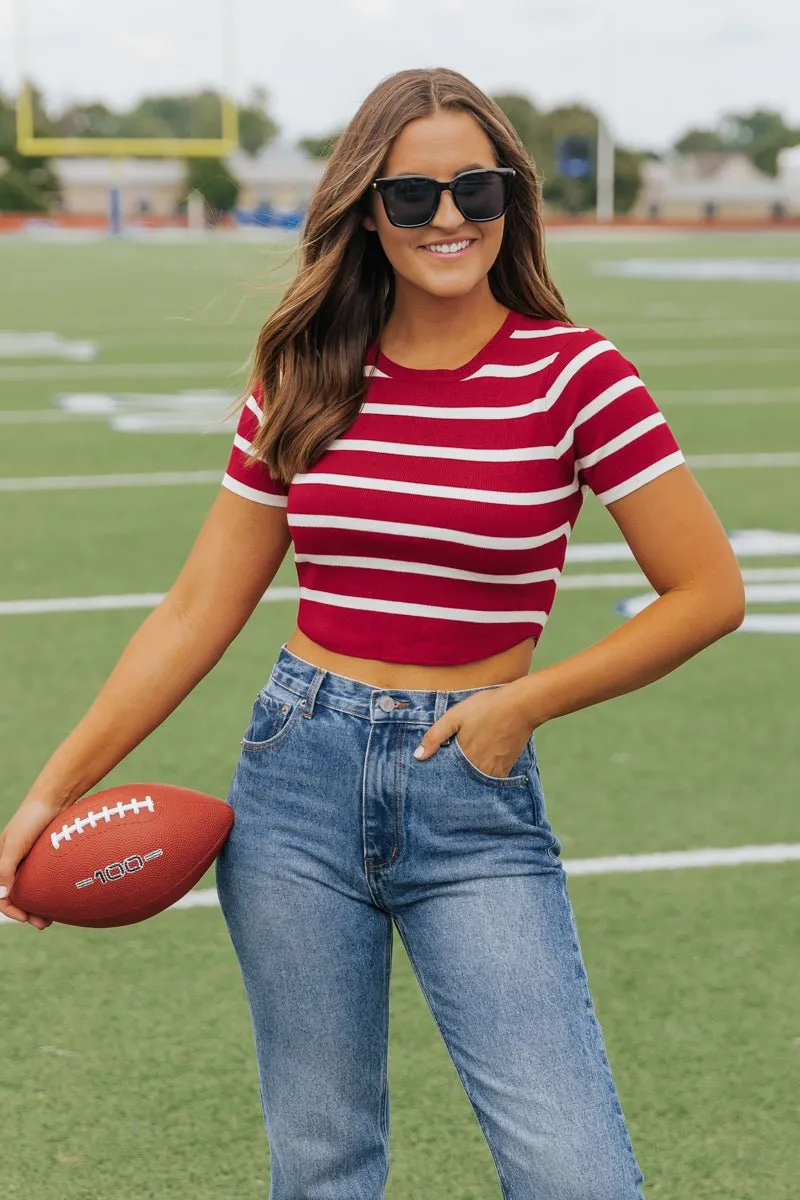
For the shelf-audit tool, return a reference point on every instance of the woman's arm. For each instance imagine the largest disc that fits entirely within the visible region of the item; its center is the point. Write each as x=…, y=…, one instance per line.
x=234, y=559
x=680, y=545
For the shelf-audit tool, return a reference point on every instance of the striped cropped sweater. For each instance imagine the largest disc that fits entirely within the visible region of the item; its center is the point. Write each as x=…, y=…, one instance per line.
x=435, y=529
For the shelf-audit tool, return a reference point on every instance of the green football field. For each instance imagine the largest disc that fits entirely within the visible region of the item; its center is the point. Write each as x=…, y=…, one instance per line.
x=127, y=1067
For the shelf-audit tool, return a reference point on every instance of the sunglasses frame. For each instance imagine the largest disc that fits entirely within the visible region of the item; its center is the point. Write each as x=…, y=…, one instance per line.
x=507, y=174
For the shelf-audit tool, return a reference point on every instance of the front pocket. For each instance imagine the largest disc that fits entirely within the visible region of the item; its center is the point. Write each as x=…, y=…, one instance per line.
x=271, y=718
x=513, y=780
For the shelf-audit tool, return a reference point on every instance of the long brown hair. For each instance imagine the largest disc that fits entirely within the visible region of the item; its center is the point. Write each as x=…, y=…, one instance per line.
x=309, y=356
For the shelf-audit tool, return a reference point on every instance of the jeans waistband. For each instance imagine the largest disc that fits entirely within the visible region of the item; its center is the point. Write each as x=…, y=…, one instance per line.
x=316, y=685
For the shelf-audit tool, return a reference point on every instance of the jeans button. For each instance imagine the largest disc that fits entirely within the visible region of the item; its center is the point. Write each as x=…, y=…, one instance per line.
x=386, y=703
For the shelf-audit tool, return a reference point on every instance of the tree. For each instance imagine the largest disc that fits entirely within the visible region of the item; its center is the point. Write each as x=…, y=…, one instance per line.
x=700, y=141
x=212, y=179
x=540, y=133
x=29, y=182
x=19, y=194
x=524, y=116
x=256, y=127
x=322, y=146
x=760, y=134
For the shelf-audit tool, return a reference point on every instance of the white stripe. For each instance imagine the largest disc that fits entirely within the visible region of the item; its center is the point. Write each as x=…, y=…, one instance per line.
x=66, y=483
x=242, y=444
x=419, y=568
x=574, y=366
x=542, y=333
x=413, y=488
x=432, y=532
x=623, y=439
x=619, y=864
x=509, y=370
x=472, y=413
x=241, y=489
x=406, y=609
x=372, y=372
x=460, y=453
x=252, y=404
x=637, y=481
x=620, y=388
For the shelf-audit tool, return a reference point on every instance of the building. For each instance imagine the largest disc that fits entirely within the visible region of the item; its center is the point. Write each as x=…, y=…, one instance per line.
x=707, y=185
x=789, y=174
x=280, y=178
x=149, y=186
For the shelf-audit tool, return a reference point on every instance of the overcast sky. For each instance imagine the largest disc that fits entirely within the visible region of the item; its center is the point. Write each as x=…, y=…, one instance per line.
x=654, y=68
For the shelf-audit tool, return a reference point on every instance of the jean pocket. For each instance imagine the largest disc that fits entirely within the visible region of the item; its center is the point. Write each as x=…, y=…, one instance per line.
x=272, y=717
x=518, y=776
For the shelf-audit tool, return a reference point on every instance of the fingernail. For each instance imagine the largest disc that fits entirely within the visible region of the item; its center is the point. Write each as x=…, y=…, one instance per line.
x=419, y=752
x=3, y=892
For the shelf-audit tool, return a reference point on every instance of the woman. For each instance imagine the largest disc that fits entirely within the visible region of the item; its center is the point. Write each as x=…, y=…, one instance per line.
x=424, y=424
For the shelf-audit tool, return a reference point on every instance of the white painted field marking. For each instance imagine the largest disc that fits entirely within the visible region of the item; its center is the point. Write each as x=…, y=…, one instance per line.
x=54, y=483
x=694, y=397
x=769, y=577
x=14, y=344
x=668, y=327
x=745, y=270
x=97, y=370
x=61, y=483
x=694, y=358
x=700, y=396
x=46, y=416
x=620, y=864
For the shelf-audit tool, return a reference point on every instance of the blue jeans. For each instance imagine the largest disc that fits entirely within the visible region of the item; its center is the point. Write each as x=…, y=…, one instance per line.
x=339, y=833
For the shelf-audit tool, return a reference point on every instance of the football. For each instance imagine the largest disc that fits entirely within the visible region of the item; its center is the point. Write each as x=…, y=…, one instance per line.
x=121, y=855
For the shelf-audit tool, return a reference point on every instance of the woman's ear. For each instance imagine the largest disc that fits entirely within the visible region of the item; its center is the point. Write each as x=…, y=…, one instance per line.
x=369, y=223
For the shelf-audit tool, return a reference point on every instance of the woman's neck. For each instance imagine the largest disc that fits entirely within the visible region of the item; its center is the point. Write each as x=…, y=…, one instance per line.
x=428, y=332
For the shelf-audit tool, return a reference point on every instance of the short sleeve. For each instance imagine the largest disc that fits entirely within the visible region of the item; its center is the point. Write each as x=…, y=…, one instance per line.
x=253, y=481
x=604, y=419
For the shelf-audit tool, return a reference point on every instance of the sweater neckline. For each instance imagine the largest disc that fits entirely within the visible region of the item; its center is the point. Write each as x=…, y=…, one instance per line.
x=398, y=371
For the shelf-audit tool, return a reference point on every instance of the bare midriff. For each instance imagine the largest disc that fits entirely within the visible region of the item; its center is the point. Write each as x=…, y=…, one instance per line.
x=504, y=667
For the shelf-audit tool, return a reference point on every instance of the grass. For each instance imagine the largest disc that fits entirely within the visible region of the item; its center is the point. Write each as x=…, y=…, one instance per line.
x=126, y=1064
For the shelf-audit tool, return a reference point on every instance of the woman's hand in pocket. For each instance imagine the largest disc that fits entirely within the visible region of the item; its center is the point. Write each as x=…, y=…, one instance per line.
x=493, y=729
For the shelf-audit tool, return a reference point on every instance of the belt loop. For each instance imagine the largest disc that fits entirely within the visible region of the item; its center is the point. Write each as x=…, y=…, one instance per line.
x=440, y=707
x=307, y=703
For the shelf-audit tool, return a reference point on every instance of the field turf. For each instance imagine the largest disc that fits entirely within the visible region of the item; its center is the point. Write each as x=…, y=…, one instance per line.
x=126, y=1059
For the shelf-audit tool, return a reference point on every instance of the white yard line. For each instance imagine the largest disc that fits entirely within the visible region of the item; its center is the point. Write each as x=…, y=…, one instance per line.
x=698, y=397
x=64, y=372
x=694, y=358
x=621, y=864
x=570, y=582
x=62, y=483
x=713, y=396
x=51, y=483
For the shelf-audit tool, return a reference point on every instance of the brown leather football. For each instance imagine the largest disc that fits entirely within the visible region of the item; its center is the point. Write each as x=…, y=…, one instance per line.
x=121, y=855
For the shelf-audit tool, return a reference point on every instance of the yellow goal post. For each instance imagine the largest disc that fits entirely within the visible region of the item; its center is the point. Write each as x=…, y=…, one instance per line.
x=29, y=143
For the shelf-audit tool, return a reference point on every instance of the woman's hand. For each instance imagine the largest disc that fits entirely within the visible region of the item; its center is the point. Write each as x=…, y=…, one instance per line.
x=30, y=819
x=493, y=728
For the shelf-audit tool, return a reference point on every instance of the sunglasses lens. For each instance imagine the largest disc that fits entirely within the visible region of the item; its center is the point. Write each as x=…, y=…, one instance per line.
x=410, y=202
x=481, y=196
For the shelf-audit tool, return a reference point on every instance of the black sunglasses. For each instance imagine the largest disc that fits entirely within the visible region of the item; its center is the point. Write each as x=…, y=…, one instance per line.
x=413, y=200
